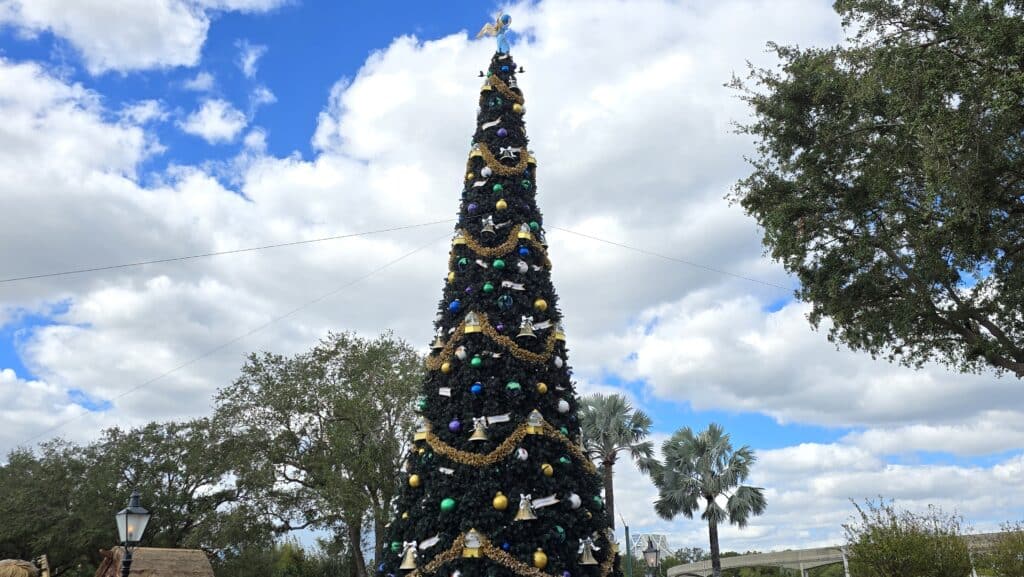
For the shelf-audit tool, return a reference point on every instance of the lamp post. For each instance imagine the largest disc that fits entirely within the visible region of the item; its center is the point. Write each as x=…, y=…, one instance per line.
x=131, y=523
x=651, y=558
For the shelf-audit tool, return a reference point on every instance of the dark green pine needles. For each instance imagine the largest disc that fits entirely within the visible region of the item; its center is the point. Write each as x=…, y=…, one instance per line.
x=499, y=446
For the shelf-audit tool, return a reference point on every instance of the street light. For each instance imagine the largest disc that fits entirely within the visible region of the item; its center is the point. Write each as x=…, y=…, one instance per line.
x=131, y=523
x=651, y=558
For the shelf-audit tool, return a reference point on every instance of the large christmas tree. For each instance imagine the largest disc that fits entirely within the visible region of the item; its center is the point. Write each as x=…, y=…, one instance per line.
x=497, y=484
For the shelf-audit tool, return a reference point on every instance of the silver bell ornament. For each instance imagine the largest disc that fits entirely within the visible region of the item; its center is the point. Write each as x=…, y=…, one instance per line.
x=526, y=329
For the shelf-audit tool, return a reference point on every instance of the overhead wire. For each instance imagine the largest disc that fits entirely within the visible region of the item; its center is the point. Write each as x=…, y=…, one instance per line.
x=218, y=253
x=240, y=337
x=325, y=296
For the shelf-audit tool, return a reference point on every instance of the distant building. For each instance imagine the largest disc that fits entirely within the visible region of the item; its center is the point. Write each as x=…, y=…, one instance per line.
x=153, y=562
x=640, y=543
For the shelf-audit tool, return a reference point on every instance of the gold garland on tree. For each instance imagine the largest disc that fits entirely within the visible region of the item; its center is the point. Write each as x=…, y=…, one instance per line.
x=500, y=557
x=507, y=447
x=504, y=248
x=499, y=168
x=434, y=362
x=503, y=88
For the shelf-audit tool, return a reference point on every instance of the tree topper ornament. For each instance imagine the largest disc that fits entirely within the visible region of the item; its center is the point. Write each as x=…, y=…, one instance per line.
x=499, y=30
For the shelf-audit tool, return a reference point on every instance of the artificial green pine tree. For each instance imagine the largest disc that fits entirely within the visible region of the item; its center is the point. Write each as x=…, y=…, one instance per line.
x=496, y=482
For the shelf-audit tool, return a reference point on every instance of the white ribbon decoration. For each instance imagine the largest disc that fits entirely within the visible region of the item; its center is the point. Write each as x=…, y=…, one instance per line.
x=491, y=124
x=512, y=285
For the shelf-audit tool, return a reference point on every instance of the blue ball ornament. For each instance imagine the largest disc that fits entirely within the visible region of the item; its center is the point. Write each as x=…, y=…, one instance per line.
x=505, y=302
x=502, y=132
x=506, y=546
x=523, y=251
x=504, y=68
x=476, y=388
x=472, y=207
x=454, y=306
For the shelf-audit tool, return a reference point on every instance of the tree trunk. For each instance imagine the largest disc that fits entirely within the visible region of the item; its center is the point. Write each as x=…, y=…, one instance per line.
x=378, y=536
x=716, y=561
x=355, y=537
x=609, y=491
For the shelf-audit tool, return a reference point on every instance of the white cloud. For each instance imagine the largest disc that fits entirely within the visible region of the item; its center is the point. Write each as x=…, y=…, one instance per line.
x=260, y=96
x=202, y=82
x=634, y=146
x=126, y=35
x=249, y=56
x=144, y=111
x=216, y=121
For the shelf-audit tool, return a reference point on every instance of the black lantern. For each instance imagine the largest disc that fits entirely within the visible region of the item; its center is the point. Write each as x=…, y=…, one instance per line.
x=131, y=523
x=651, y=557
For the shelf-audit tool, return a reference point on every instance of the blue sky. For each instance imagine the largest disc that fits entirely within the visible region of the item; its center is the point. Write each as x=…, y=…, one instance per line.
x=305, y=48
x=598, y=93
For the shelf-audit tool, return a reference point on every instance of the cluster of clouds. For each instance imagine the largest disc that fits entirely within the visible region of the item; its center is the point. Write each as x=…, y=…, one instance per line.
x=633, y=135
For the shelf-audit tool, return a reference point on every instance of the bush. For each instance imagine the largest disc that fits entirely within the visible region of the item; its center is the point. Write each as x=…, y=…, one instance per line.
x=886, y=542
x=1006, y=559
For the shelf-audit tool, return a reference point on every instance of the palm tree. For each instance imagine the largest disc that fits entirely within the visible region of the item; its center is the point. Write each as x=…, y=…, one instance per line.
x=705, y=468
x=610, y=425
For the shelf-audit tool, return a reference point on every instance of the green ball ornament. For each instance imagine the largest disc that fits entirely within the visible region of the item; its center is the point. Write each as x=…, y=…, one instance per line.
x=560, y=532
x=513, y=386
x=396, y=546
x=488, y=287
x=526, y=183
x=421, y=404
x=497, y=188
x=598, y=501
x=534, y=226
x=564, y=431
x=475, y=362
x=447, y=504
x=498, y=264
x=564, y=460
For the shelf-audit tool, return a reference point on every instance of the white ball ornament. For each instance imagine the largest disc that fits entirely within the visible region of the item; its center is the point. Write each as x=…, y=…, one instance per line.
x=486, y=172
x=559, y=362
x=575, y=501
x=563, y=406
x=461, y=353
x=521, y=454
x=522, y=267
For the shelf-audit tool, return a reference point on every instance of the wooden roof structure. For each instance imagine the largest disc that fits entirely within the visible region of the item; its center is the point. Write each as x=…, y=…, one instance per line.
x=154, y=562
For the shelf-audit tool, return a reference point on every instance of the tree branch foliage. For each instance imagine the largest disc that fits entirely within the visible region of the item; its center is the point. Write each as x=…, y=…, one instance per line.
x=889, y=178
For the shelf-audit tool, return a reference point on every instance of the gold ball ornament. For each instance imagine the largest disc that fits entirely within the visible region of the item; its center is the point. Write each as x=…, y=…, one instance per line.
x=451, y=277
x=540, y=304
x=405, y=515
x=420, y=451
x=469, y=176
x=414, y=481
x=501, y=204
x=446, y=367
x=518, y=108
x=500, y=502
x=540, y=559
x=547, y=469
x=542, y=388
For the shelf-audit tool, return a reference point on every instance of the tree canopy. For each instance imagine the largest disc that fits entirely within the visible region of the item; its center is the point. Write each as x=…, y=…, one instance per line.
x=889, y=178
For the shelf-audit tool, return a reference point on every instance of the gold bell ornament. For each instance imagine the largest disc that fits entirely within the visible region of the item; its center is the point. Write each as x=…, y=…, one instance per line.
x=587, y=549
x=479, y=429
x=409, y=556
x=526, y=329
x=526, y=512
x=472, y=324
x=438, y=343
